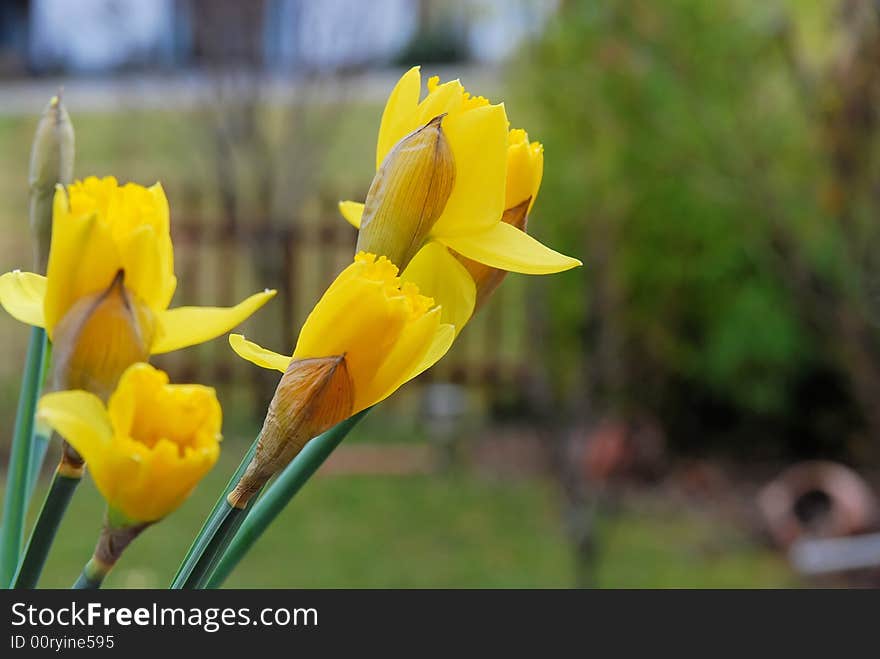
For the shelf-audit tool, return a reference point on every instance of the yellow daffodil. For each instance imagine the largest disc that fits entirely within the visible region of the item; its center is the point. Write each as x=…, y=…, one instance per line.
x=471, y=220
x=148, y=447
x=110, y=279
x=368, y=335
x=462, y=285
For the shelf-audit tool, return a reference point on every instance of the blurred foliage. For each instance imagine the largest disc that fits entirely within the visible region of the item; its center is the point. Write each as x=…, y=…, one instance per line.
x=692, y=161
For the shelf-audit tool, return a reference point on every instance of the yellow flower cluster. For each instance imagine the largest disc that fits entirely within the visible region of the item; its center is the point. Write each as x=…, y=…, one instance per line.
x=442, y=222
x=104, y=303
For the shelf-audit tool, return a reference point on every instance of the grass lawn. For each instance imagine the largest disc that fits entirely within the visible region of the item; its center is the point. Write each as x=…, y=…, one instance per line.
x=454, y=530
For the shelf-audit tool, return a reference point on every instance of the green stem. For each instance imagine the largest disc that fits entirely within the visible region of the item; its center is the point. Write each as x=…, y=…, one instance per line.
x=41, y=436
x=279, y=494
x=51, y=514
x=205, y=534
x=225, y=524
x=15, y=500
x=39, y=448
x=91, y=577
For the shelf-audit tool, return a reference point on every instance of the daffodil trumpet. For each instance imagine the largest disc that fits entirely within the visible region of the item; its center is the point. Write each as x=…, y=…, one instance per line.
x=147, y=449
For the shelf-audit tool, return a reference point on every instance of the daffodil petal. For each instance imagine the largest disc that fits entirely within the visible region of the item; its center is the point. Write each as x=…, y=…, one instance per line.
x=352, y=212
x=478, y=139
x=398, y=111
x=187, y=326
x=399, y=363
x=333, y=327
x=440, y=275
x=83, y=259
x=22, y=295
x=257, y=354
x=440, y=345
x=446, y=98
x=506, y=247
x=146, y=268
x=79, y=417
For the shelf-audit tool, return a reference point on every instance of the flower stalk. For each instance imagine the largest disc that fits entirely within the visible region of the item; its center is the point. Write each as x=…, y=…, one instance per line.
x=205, y=534
x=220, y=530
x=312, y=396
x=16, y=498
x=64, y=484
x=278, y=495
x=114, y=539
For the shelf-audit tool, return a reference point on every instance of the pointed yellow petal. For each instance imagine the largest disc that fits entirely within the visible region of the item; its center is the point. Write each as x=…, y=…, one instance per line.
x=440, y=345
x=352, y=211
x=442, y=99
x=187, y=326
x=400, y=362
x=257, y=354
x=478, y=139
x=398, y=113
x=146, y=269
x=508, y=248
x=83, y=260
x=81, y=419
x=440, y=275
x=22, y=295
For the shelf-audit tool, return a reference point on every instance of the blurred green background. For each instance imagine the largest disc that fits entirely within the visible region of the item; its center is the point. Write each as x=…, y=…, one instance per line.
x=715, y=165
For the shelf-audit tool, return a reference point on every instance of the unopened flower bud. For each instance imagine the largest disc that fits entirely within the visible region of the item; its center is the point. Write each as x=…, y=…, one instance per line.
x=51, y=163
x=408, y=194
x=312, y=396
